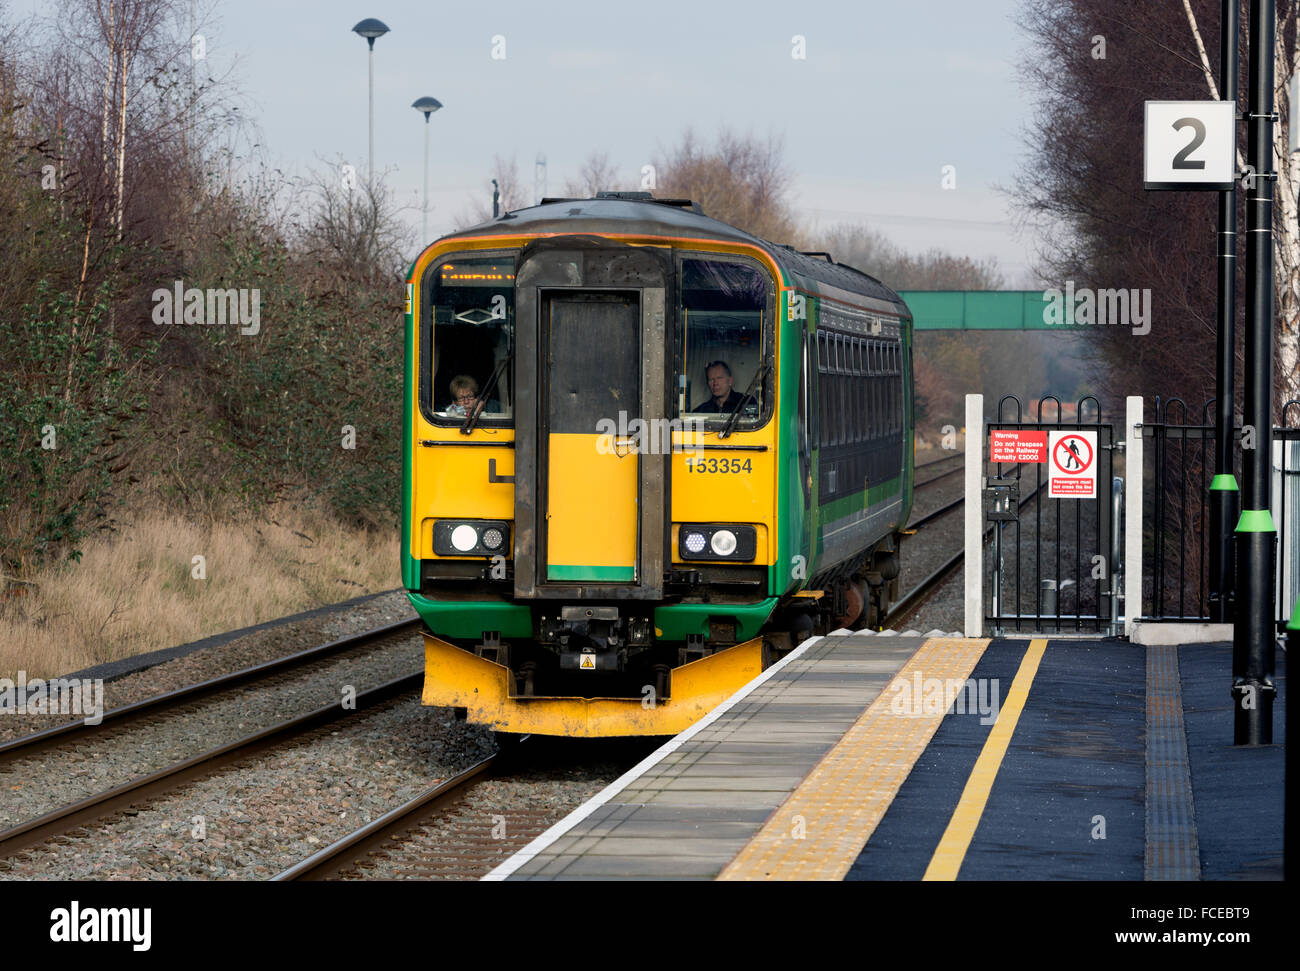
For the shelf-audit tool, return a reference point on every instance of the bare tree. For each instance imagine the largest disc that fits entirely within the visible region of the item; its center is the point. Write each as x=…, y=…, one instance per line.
x=740, y=180
x=1094, y=64
x=868, y=250
x=1286, y=235
x=595, y=175
x=354, y=233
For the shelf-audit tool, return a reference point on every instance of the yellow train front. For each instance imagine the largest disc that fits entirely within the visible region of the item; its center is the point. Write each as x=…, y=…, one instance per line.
x=645, y=454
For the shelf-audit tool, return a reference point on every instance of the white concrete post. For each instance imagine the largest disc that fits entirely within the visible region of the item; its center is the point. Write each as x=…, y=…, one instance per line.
x=1132, y=513
x=974, y=515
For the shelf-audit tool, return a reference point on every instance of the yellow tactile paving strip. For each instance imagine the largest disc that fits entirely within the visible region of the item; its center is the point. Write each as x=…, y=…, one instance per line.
x=950, y=853
x=820, y=829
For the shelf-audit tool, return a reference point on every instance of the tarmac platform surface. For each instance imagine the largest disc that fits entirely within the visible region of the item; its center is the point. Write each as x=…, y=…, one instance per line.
x=877, y=757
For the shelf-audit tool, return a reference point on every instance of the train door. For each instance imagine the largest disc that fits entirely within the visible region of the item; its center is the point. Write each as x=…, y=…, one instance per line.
x=590, y=482
x=590, y=350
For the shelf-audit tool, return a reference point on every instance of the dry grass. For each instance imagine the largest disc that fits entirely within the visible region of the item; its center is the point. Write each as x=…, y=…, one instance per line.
x=134, y=591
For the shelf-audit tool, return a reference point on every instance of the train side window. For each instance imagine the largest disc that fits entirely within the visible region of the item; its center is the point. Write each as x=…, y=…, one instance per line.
x=828, y=391
x=859, y=394
x=859, y=416
x=832, y=390
x=846, y=400
x=473, y=318
x=847, y=397
x=822, y=418
x=837, y=410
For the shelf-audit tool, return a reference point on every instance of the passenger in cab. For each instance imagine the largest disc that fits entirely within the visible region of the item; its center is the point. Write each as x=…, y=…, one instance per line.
x=464, y=391
x=724, y=399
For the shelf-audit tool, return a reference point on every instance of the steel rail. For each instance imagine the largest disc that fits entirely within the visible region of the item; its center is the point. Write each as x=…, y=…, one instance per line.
x=170, y=777
x=344, y=853
x=26, y=745
x=911, y=601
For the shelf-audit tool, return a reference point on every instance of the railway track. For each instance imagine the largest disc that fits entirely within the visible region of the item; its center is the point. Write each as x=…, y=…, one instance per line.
x=27, y=745
x=914, y=599
x=465, y=825
x=125, y=724
x=142, y=788
x=937, y=473
x=356, y=847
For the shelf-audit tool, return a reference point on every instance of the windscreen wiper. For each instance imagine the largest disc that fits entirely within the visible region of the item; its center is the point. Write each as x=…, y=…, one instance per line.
x=749, y=393
x=471, y=418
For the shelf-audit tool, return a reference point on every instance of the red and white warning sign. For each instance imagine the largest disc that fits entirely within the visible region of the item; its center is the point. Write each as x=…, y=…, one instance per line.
x=1072, y=465
x=1017, y=445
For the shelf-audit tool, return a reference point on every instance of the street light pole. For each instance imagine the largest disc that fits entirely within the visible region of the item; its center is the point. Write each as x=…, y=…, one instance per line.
x=428, y=106
x=371, y=29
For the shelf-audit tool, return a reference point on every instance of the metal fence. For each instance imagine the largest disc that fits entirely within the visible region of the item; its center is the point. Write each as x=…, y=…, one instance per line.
x=1072, y=584
x=1179, y=466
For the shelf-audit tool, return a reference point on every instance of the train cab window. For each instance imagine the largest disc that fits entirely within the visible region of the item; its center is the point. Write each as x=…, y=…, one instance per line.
x=720, y=338
x=473, y=340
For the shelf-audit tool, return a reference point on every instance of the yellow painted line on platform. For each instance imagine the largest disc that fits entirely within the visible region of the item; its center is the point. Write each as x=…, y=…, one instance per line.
x=950, y=853
x=820, y=829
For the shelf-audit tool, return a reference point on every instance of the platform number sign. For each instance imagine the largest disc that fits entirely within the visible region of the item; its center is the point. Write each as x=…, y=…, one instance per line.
x=1190, y=145
x=1072, y=465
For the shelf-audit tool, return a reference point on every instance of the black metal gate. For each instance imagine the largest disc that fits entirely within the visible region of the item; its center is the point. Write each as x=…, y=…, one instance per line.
x=1055, y=562
x=1179, y=469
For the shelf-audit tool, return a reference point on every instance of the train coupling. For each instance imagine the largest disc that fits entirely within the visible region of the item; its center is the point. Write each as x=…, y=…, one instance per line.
x=594, y=638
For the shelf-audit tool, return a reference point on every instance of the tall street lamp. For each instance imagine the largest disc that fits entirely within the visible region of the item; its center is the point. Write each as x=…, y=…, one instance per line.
x=371, y=29
x=428, y=106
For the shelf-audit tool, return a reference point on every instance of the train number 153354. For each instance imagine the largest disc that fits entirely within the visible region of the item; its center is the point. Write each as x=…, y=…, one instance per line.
x=718, y=465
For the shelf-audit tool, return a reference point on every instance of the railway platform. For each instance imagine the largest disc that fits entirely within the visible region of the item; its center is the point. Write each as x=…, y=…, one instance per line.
x=928, y=757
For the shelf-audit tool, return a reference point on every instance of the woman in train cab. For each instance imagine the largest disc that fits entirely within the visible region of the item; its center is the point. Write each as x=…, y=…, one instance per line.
x=464, y=392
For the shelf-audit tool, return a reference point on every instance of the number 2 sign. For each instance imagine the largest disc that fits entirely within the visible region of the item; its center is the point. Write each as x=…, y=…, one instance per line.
x=1190, y=145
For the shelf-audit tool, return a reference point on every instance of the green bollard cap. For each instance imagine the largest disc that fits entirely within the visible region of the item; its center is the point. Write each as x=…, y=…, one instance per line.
x=1255, y=521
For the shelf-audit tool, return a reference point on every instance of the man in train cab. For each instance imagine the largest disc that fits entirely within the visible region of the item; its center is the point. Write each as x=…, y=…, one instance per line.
x=464, y=391
x=725, y=399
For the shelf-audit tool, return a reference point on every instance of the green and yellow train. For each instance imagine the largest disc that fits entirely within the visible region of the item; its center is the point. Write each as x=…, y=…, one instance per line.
x=646, y=453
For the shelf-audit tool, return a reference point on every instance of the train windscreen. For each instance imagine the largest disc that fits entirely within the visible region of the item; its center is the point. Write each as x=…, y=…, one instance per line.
x=720, y=338
x=473, y=337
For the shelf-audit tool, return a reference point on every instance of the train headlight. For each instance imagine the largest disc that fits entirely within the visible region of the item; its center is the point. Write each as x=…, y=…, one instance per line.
x=475, y=537
x=723, y=542
x=700, y=541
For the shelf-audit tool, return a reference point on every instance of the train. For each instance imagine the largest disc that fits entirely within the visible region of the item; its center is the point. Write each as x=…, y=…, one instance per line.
x=645, y=455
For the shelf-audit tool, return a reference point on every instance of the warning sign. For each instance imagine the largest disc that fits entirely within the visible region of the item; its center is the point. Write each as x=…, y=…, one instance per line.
x=1072, y=470
x=1017, y=445
x=587, y=662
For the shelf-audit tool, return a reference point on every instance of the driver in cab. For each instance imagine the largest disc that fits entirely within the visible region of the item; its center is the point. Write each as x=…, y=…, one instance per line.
x=724, y=398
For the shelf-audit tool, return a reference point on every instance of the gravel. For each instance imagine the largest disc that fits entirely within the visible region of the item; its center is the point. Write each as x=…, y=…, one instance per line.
x=252, y=820
x=925, y=552
x=117, y=753
x=500, y=816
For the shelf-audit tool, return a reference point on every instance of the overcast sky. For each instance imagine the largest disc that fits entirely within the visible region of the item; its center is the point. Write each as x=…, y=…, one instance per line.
x=888, y=94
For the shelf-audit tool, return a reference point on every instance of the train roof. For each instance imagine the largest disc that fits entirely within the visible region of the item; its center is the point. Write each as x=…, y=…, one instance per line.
x=636, y=213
